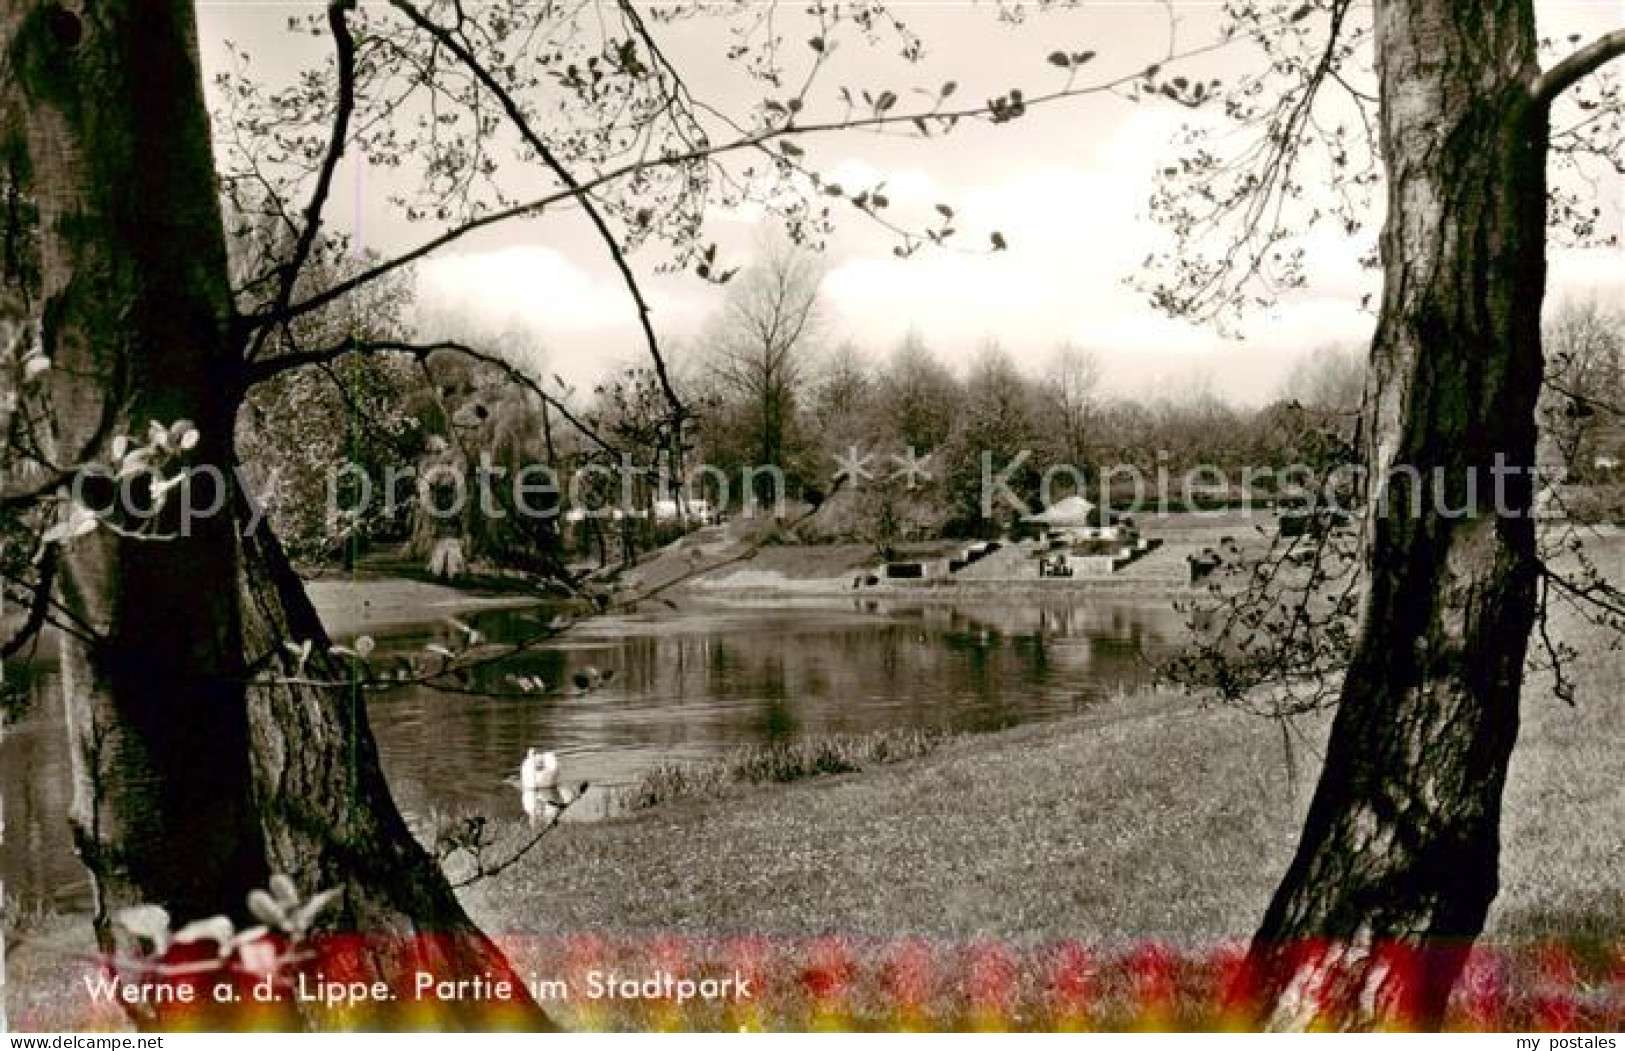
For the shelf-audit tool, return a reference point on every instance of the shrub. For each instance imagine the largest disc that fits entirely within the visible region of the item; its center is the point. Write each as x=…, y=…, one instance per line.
x=779, y=763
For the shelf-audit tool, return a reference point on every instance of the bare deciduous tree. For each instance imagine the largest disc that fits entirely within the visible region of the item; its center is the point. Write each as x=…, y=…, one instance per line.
x=1069, y=388
x=1582, y=411
x=763, y=351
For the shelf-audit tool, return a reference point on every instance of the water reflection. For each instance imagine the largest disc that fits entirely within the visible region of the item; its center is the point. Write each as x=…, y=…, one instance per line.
x=684, y=686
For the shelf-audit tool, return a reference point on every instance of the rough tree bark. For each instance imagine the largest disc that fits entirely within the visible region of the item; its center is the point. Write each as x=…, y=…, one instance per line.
x=1397, y=865
x=328, y=819
x=135, y=311
x=192, y=786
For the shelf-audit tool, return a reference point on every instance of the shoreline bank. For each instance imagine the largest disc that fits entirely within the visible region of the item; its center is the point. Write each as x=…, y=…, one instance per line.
x=352, y=604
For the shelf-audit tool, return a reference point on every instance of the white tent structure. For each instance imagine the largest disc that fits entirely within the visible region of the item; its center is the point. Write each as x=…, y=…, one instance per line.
x=1074, y=511
x=1076, y=519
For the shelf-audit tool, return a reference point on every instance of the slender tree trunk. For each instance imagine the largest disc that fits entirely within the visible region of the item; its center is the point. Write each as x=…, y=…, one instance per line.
x=547, y=437
x=1397, y=865
x=192, y=785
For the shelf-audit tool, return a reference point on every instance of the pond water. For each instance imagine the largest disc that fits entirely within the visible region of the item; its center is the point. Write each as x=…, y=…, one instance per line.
x=690, y=685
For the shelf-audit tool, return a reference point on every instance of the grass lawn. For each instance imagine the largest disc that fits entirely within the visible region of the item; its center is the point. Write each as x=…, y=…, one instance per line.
x=1090, y=828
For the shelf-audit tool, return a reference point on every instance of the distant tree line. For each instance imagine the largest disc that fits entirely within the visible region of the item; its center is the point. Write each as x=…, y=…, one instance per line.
x=778, y=411
x=916, y=439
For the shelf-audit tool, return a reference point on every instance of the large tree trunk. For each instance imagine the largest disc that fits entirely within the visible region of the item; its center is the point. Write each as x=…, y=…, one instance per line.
x=198, y=772
x=102, y=119
x=1397, y=865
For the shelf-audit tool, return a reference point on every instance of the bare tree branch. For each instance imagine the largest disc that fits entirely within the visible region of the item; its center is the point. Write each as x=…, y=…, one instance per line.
x=521, y=122
x=344, y=107
x=1553, y=82
x=39, y=607
x=753, y=140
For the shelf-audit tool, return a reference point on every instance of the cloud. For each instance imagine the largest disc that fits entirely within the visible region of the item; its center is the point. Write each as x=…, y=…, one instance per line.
x=1077, y=232
x=905, y=185
x=530, y=284
x=1584, y=273
x=1077, y=236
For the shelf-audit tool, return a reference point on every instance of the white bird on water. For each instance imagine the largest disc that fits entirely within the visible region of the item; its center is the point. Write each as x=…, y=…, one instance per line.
x=539, y=786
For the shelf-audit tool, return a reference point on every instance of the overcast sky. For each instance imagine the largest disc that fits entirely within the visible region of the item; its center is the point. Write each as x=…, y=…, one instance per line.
x=1067, y=186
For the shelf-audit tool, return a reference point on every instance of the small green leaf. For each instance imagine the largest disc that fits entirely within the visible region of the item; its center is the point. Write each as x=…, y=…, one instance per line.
x=137, y=461
x=307, y=913
x=283, y=889
x=266, y=909
x=79, y=521
x=217, y=929
x=145, y=921
x=249, y=934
